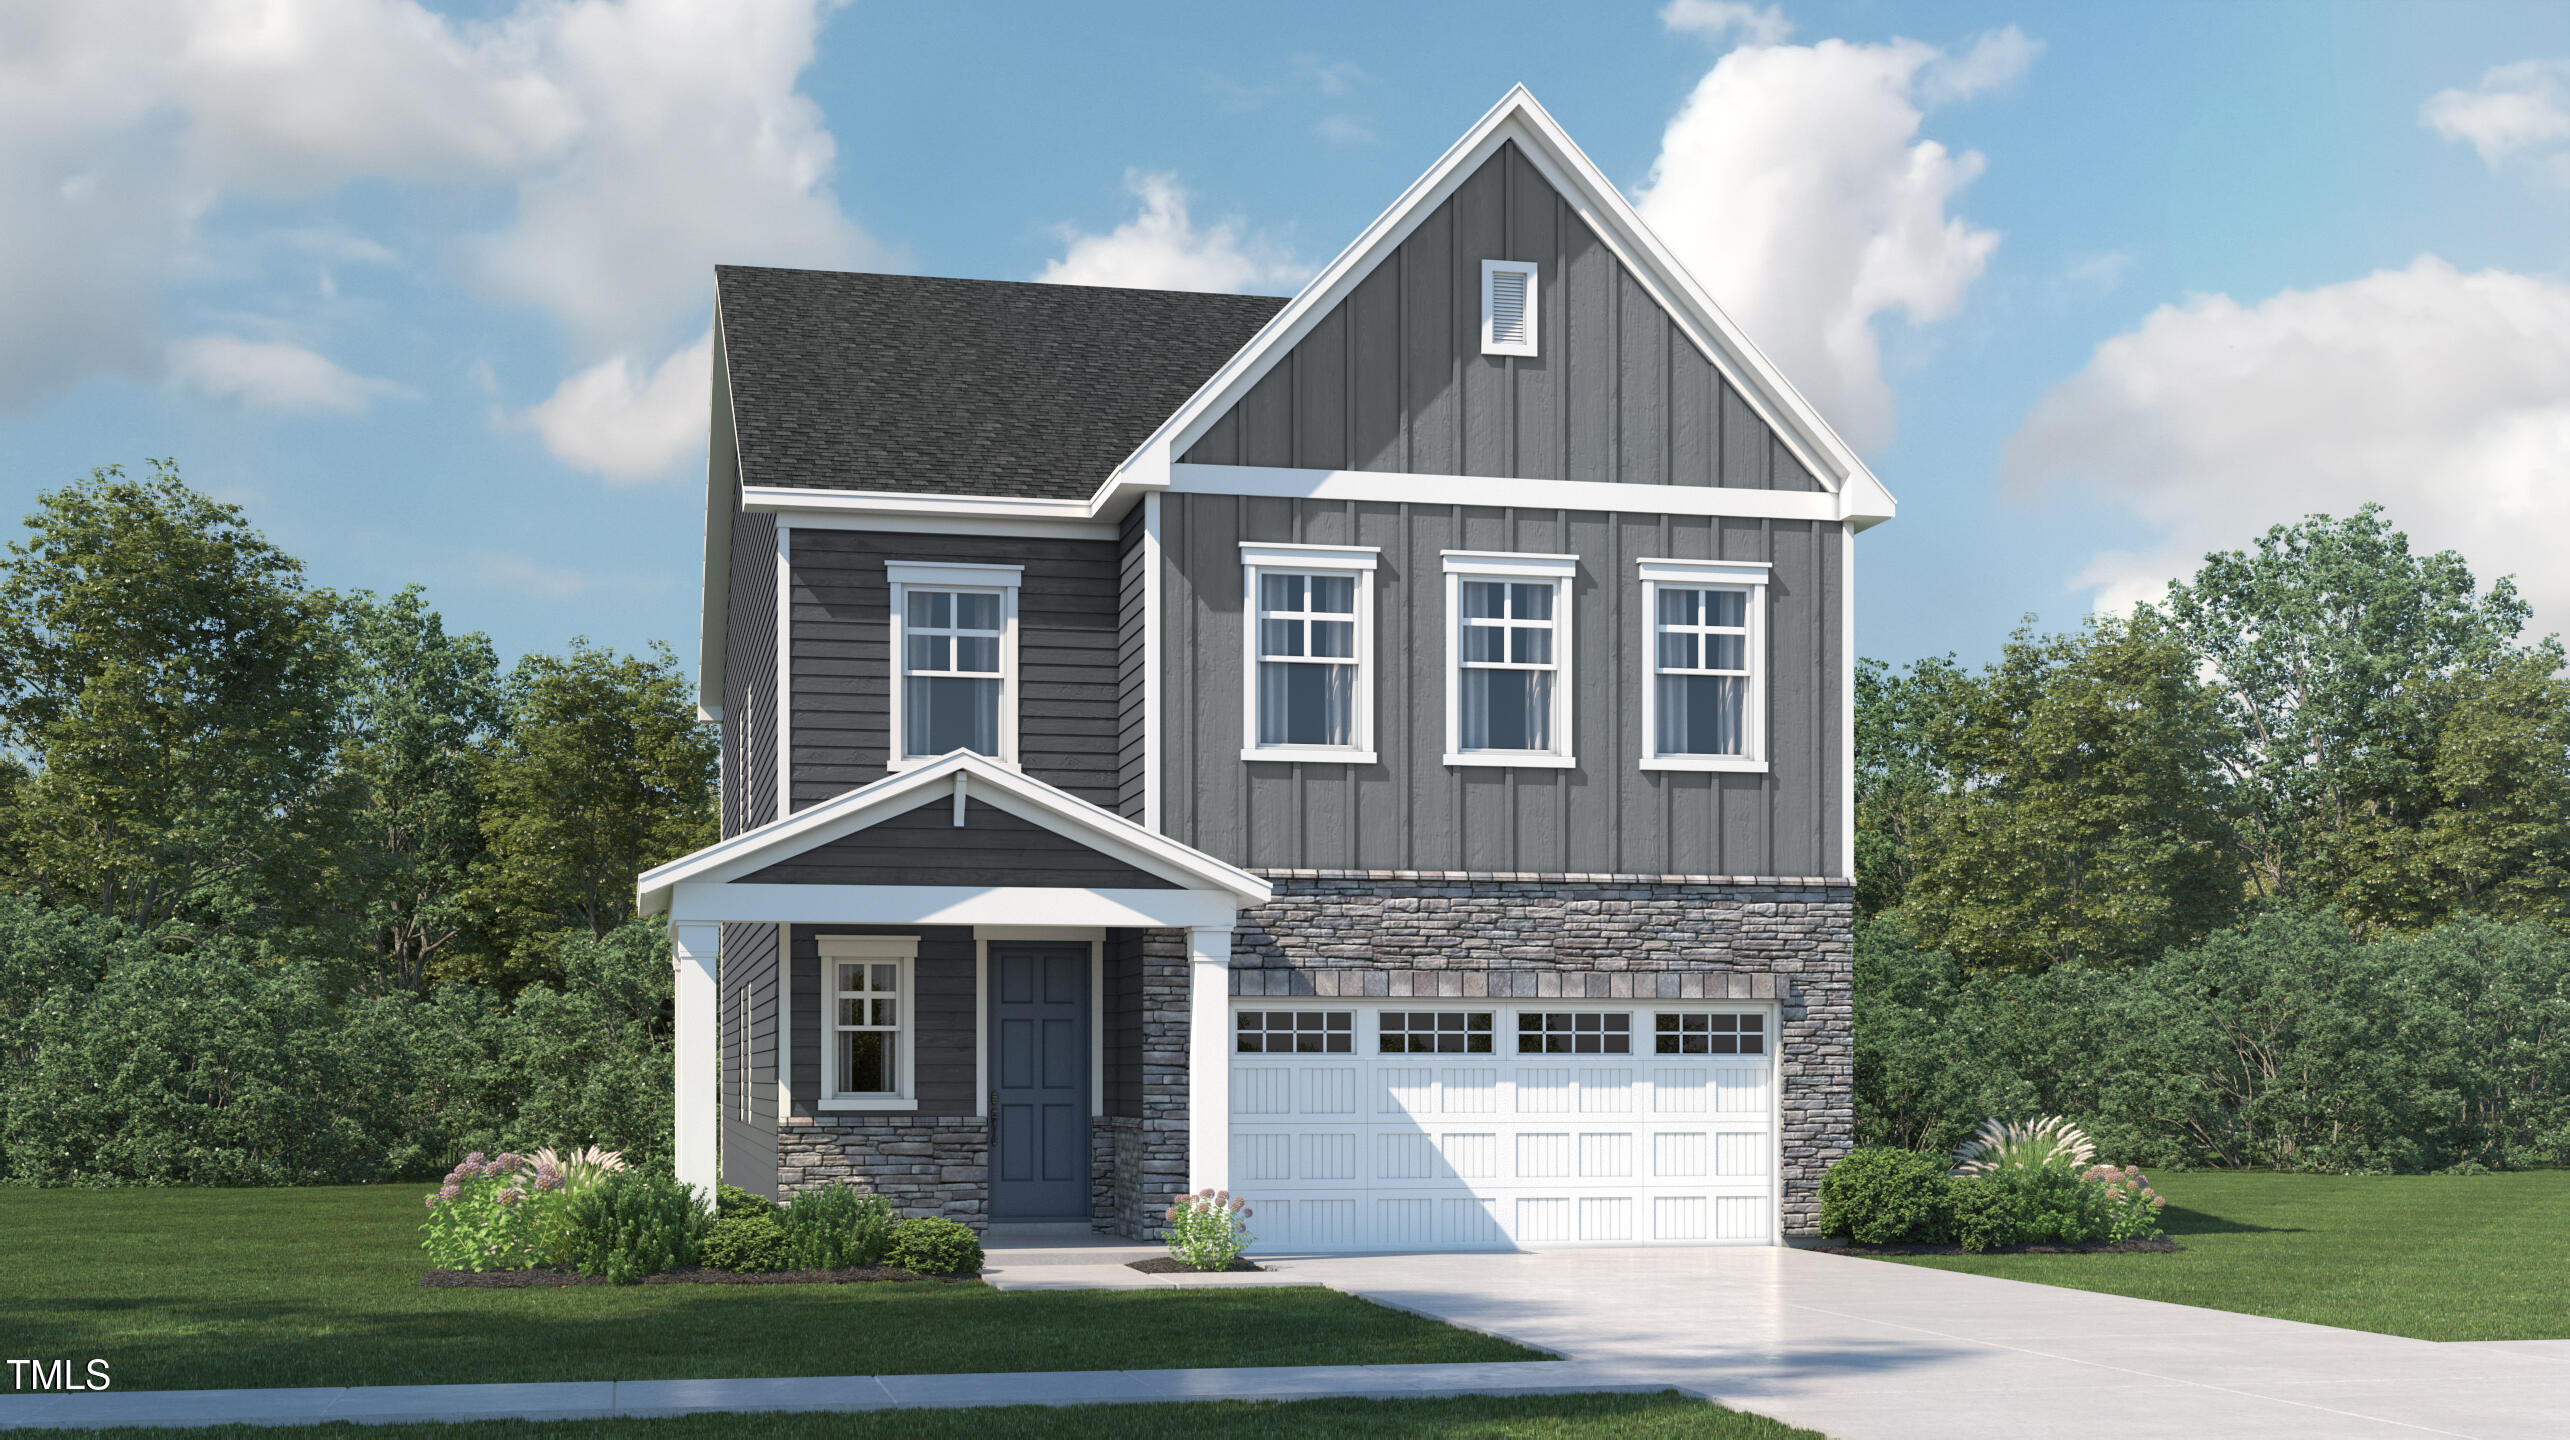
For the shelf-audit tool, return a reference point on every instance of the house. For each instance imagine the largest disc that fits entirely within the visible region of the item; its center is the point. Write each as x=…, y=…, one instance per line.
x=1386, y=752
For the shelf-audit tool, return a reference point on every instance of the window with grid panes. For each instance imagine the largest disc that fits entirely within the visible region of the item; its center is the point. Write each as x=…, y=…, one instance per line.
x=1434, y=1032
x=1508, y=656
x=1573, y=1032
x=1296, y=1032
x=1307, y=658
x=1701, y=671
x=1699, y=1034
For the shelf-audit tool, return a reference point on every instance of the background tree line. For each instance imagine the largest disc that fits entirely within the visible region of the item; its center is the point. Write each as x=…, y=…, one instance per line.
x=303, y=885
x=2275, y=871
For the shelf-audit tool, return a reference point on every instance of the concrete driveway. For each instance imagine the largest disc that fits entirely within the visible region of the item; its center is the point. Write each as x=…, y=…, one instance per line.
x=1865, y=1350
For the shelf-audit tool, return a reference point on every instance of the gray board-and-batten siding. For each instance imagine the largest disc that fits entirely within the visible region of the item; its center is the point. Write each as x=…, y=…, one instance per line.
x=1411, y=811
x=1393, y=378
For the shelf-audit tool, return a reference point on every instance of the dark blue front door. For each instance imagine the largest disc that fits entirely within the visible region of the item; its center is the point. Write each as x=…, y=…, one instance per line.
x=1039, y=1082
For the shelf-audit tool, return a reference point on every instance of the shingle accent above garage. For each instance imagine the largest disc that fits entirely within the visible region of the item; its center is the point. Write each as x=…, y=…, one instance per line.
x=921, y=385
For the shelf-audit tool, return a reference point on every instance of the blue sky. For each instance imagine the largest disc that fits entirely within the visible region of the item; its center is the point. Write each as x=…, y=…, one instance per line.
x=2095, y=288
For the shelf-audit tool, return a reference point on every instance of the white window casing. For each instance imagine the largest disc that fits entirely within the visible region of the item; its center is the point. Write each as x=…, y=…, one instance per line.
x=1307, y=663
x=1509, y=309
x=856, y=1009
x=955, y=612
x=1524, y=631
x=1709, y=650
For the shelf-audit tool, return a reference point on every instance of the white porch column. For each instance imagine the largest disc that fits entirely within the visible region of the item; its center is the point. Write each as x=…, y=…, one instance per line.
x=1209, y=1058
x=699, y=1009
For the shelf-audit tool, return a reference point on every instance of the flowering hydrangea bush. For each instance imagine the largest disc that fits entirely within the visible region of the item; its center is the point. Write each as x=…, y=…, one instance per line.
x=498, y=1213
x=1208, y=1229
x=2133, y=1207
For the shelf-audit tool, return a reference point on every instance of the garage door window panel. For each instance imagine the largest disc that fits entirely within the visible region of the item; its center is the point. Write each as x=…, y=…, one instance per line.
x=1683, y=1034
x=1435, y=1032
x=1572, y=1032
x=1296, y=1032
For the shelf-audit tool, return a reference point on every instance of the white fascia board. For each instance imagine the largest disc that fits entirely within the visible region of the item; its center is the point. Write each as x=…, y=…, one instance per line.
x=1004, y=789
x=714, y=612
x=1005, y=905
x=887, y=502
x=1517, y=117
x=1387, y=485
x=893, y=523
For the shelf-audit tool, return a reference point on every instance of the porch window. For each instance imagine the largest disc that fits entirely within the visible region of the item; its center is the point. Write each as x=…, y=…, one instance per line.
x=868, y=1022
x=955, y=639
x=1704, y=632
x=1309, y=654
x=1508, y=684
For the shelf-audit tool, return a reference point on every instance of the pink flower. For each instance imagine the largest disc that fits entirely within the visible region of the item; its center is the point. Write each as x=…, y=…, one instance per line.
x=429, y=1200
x=449, y=1191
x=510, y=1197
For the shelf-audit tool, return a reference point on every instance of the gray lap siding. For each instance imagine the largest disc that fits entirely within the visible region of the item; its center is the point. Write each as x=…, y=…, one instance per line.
x=1068, y=682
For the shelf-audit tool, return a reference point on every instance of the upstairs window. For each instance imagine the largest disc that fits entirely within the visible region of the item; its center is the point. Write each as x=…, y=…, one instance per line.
x=1704, y=638
x=954, y=636
x=1508, y=307
x=1508, y=697
x=1309, y=661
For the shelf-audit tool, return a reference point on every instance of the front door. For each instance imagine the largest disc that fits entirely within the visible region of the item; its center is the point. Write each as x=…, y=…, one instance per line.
x=1039, y=1048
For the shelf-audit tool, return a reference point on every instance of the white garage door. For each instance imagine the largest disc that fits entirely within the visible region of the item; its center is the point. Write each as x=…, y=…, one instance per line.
x=1456, y=1125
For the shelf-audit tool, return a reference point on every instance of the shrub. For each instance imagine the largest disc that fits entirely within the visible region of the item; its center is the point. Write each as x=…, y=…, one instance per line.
x=732, y=1200
x=1981, y=1211
x=631, y=1224
x=750, y=1242
x=2049, y=1143
x=1882, y=1196
x=499, y=1214
x=1208, y=1229
x=2056, y=1207
x=924, y=1245
x=2132, y=1206
x=832, y=1227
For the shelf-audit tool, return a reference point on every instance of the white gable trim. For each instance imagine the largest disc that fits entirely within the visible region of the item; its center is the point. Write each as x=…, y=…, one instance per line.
x=1519, y=118
x=1002, y=789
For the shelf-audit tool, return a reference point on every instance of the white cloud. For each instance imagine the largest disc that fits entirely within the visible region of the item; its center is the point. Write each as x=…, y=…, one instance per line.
x=274, y=376
x=2445, y=396
x=640, y=141
x=1721, y=19
x=628, y=423
x=2518, y=112
x=1164, y=249
x=1794, y=184
x=1343, y=130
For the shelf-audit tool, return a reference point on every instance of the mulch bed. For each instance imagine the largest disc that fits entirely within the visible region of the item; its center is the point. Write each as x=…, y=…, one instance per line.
x=2160, y=1245
x=1168, y=1265
x=547, y=1278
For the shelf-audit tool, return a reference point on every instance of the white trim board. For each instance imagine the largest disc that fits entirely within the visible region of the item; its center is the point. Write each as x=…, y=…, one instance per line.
x=1391, y=485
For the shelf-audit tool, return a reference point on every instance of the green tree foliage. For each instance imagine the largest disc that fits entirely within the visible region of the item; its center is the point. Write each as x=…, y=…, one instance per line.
x=2062, y=805
x=170, y=690
x=2339, y=659
x=602, y=771
x=422, y=713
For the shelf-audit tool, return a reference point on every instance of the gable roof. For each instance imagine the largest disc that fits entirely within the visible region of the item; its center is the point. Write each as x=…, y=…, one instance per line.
x=1518, y=118
x=745, y=855
x=908, y=384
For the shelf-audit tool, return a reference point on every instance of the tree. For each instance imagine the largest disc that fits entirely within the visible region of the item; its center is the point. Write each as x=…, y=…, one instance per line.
x=423, y=709
x=170, y=694
x=602, y=771
x=1898, y=776
x=2330, y=647
x=2079, y=819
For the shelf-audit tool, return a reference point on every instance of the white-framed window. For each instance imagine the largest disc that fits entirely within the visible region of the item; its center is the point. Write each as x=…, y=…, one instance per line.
x=954, y=647
x=869, y=1022
x=1704, y=639
x=1508, y=307
x=1307, y=664
x=1508, y=658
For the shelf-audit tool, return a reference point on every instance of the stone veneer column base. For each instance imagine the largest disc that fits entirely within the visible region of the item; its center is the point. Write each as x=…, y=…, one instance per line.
x=923, y=1164
x=1142, y=1159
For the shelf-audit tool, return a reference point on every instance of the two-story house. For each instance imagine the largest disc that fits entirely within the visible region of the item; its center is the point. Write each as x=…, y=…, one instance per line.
x=1386, y=752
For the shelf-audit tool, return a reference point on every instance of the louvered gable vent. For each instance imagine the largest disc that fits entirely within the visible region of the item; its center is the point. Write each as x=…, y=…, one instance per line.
x=1508, y=308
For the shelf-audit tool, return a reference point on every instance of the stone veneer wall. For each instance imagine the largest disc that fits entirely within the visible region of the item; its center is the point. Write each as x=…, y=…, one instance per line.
x=923, y=1164
x=1148, y=1161
x=1671, y=937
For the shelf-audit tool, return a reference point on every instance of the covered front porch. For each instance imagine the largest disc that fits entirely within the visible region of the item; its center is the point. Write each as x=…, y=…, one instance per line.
x=961, y=988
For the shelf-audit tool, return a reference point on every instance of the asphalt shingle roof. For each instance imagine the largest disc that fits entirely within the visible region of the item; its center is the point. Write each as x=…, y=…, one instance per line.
x=844, y=381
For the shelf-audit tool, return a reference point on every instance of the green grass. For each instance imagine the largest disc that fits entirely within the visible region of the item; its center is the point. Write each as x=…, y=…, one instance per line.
x=1664, y=1416
x=2438, y=1257
x=187, y=1289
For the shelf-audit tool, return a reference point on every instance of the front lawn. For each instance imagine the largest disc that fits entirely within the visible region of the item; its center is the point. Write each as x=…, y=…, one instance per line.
x=2438, y=1257
x=185, y=1289
x=1665, y=1416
